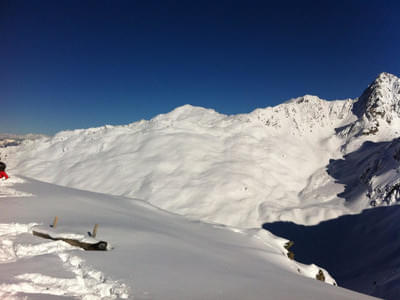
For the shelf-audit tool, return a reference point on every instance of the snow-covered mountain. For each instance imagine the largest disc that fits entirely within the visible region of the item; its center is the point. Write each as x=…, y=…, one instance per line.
x=236, y=170
x=378, y=108
x=240, y=170
x=306, y=161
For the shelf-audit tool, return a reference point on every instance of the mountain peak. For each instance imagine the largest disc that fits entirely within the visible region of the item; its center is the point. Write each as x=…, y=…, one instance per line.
x=304, y=99
x=377, y=107
x=384, y=76
x=381, y=100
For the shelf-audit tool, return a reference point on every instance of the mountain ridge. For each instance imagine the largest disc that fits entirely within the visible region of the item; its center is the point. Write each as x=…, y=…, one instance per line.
x=268, y=165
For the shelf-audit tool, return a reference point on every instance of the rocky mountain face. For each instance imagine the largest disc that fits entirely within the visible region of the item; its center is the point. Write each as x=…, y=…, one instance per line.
x=370, y=174
x=381, y=100
x=371, y=146
x=377, y=110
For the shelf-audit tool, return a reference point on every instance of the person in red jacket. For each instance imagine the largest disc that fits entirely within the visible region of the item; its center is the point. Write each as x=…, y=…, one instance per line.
x=3, y=174
x=3, y=170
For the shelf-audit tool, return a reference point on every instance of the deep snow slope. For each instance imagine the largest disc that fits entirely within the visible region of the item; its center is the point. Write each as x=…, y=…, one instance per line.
x=244, y=170
x=155, y=255
x=236, y=170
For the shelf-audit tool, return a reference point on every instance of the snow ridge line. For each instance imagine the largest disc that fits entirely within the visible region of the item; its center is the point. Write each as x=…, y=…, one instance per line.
x=88, y=283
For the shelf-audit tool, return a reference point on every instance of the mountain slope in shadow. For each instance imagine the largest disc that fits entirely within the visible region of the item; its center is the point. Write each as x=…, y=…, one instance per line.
x=362, y=252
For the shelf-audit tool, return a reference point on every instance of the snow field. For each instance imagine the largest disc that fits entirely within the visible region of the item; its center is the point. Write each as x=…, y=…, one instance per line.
x=7, y=190
x=198, y=163
x=87, y=283
x=156, y=255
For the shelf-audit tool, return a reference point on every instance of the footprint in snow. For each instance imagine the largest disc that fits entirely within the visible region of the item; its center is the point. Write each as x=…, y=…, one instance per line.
x=88, y=283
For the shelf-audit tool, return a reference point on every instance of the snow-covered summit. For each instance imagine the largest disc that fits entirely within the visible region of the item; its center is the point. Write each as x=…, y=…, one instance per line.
x=306, y=98
x=381, y=100
x=377, y=110
x=188, y=113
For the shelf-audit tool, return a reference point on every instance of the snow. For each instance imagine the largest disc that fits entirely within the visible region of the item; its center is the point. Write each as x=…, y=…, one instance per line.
x=7, y=189
x=378, y=112
x=156, y=255
x=360, y=251
x=269, y=165
x=306, y=161
x=199, y=163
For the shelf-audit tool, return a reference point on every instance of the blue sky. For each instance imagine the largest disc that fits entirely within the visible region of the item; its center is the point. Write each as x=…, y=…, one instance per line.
x=79, y=64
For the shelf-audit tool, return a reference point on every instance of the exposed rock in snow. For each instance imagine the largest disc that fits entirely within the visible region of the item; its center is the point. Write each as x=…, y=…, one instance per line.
x=377, y=111
x=371, y=174
x=381, y=100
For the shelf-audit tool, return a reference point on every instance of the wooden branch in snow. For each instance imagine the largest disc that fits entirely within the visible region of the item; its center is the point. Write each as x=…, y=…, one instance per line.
x=99, y=246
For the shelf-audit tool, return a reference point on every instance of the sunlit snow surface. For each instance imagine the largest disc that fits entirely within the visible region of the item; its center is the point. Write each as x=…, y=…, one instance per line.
x=234, y=170
x=155, y=255
x=306, y=161
x=241, y=170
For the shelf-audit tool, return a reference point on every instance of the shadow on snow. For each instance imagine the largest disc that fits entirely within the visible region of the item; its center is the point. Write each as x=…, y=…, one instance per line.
x=362, y=252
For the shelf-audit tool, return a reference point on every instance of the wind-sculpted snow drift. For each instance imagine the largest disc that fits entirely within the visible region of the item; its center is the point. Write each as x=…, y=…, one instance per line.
x=240, y=170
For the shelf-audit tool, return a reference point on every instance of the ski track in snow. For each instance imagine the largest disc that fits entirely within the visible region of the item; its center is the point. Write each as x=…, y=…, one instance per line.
x=88, y=283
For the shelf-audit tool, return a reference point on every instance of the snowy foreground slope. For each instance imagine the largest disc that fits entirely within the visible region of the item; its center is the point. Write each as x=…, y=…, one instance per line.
x=155, y=255
x=277, y=163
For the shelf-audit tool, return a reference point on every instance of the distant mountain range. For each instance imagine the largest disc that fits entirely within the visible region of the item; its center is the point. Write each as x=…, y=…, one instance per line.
x=7, y=140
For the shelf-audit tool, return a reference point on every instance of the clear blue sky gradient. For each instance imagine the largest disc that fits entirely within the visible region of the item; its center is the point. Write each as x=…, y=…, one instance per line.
x=79, y=64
